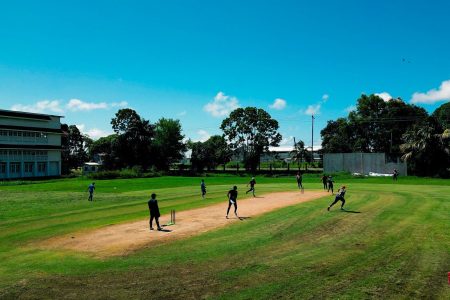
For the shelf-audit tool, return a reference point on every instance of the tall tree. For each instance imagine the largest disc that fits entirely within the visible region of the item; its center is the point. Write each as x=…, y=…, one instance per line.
x=134, y=139
x=73, y=148
x=299, y=153
x=375, y=126
x=442, y=114
x=337, y=137
x=252, y=131
x=425, y=149
x=168, y=146
x=106, y=147
x=209, y=154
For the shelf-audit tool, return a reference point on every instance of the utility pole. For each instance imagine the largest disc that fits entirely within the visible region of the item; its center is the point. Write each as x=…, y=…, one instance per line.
x=312, y=138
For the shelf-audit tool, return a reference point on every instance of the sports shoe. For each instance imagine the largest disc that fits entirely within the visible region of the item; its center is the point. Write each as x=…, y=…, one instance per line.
x=151, y=228
x=159, y=228
x=342, y=208
x=226, y=217
x=328, y=208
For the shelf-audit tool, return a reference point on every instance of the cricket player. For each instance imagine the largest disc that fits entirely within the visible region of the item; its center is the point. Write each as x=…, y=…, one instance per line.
x=339, y=197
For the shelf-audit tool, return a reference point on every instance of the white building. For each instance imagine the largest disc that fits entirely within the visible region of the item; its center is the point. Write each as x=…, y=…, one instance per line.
x=30, y=145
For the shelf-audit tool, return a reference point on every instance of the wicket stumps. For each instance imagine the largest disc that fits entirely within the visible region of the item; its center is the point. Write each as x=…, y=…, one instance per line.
x=172, y=217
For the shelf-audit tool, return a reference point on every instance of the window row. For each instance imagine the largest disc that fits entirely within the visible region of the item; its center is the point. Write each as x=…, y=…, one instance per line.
x=18, y=153
x=15, y=167
x=14, y=133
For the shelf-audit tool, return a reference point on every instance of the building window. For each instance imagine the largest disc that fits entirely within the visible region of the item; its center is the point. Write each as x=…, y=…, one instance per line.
x=2, y=168
x=28, y=166
x=42, y=167
x=14, y=167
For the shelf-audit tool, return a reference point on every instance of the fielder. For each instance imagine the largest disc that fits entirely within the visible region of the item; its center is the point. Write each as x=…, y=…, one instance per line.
x=339, y=197
x=232, y=200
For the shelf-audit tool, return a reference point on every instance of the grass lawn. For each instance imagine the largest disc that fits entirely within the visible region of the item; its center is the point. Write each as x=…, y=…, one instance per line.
x=393, y=243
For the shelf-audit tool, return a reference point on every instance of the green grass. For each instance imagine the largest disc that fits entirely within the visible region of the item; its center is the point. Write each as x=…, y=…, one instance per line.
x=397, y=246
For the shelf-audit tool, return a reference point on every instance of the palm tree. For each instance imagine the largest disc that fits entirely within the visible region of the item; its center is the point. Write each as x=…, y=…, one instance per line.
x=426, y=150
x=299, y=152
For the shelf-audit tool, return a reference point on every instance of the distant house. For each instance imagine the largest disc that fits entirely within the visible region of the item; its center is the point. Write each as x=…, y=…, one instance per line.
x=91, y=167
x=30, y=145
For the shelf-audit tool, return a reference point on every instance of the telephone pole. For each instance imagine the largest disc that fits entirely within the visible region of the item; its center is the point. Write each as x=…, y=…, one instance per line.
x=312, y=139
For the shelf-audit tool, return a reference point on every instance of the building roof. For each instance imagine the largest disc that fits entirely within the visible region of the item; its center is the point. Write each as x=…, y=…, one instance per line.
x=92, y=164
x=26, y=115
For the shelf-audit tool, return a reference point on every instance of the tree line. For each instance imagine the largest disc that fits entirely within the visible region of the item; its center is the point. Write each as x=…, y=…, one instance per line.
x=394, y=127
x=137, y=142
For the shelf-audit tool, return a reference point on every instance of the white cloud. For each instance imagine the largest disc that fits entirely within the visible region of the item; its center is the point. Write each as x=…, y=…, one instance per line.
x=203, y=135
x=385, y=96
x=79, y=105
x=44, y=106
x=93, y=133
x=325, y=97
x=433, y=95
x=278, y=104
x=350, y=108
x=313, y=109
x=119, y=104
x=222, y=105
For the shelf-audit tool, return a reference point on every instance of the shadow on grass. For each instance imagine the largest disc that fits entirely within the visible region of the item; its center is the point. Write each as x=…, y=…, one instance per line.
x=351, y=211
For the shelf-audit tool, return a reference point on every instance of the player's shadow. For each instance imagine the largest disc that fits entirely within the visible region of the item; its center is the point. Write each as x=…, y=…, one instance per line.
x=244, y=218
x=351, y=211
x=165, y=230
x=258, y=197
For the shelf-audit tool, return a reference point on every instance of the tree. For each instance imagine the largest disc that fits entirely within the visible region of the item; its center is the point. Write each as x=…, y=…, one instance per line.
x=134, y=139
x=251, y=130
x=442, y=114
x=370, y=128
x=209, y=154
x=337, y=137
x=425, y=149
x=73, y=148
x=106, y=146
x=299, y=153
x=168, y=146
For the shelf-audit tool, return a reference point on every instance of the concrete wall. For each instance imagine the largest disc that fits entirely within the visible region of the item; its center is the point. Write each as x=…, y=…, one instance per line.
x=361, y=163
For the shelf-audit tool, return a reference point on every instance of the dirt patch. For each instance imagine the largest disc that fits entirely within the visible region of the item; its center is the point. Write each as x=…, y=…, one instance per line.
x=123, y=238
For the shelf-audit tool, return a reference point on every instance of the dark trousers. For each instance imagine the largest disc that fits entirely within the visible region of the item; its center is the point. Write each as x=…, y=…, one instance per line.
x=330, y=187
x=252, y=189
x=90, y=196
x=156, y=220
x=235, y=207
x=325, y=186
x=300, y=185
x=338, y=199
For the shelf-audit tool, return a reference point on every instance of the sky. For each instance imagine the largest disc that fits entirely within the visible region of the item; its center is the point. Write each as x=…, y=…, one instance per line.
x=198, y=60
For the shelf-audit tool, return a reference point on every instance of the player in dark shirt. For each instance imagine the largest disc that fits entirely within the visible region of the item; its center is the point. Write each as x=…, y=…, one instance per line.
x=395, y=175
x=154, y=211
x=339, y=197
x=325, y=182
x=330, y=184
x=203, y=188
x=299, y=178
x=91, y=189
x=252, y=186
x=232, y=200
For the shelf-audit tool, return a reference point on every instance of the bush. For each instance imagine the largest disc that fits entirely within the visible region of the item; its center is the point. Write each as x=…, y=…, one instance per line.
x=135, y=172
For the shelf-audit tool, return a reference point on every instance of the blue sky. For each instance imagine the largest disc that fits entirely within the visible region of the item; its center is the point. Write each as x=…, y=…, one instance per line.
x=197, y=60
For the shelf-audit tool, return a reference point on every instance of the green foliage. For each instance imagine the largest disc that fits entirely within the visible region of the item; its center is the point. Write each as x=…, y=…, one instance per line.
x=375, y=126
x=209, y=154
x=168, y=146
x=74, y=148
x=426, y=149
x=252, y=131
x=442, y=114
